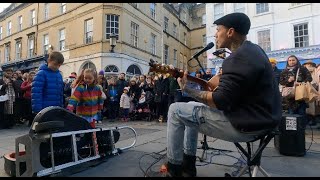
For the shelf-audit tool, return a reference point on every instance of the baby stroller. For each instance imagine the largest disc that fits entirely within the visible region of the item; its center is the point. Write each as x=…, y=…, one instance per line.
x=142, y=109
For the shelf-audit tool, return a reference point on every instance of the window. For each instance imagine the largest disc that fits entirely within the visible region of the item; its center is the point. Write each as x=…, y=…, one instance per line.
x=30, y=46
x=204, y=40
x=174, y=30
x=204, y=19
x=46, y=11
x=153, y=44
x=264, y=40
x=7, y=53
x=262, y=8
x=134, y=5
x=175, y=58
x=153, y=10
x=18, y=49
x=134, y=34
x=183, y=16
x=112, y=25
x=45, y=44
x=181, y=61
x=218, y=11
x=296, y=4
x=33, y=18
x=166, y=54
x=0, y=32
x=239, y=7
x=301, y=35
x=111, y=69
x=9, y=28
x=19, y=23
x=166, y=20
x=88, y=31
x=185, y=38
x=63, y=8
x=62, y=39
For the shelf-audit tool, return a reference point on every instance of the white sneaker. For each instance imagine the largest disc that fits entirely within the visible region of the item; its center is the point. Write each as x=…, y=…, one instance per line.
x=100, y=122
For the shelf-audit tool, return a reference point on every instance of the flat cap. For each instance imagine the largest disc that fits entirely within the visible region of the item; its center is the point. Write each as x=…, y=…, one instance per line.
x=239, y=21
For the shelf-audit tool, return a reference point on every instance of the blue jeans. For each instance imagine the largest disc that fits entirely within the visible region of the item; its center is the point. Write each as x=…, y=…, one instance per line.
x=185, y=120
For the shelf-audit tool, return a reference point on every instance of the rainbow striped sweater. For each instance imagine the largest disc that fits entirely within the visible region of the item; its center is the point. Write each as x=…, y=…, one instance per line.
x=87, y=100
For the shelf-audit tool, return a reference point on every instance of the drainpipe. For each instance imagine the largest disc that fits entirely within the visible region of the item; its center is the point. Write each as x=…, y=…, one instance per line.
x=36, y=34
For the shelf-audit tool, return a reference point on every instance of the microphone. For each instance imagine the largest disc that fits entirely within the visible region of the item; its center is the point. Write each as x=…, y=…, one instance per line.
x=209, y=46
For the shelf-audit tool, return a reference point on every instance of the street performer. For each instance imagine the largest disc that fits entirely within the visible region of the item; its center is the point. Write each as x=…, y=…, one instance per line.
x=245, y=104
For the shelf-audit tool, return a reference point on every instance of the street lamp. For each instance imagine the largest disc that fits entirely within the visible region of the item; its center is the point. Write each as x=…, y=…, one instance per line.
x=113, y=41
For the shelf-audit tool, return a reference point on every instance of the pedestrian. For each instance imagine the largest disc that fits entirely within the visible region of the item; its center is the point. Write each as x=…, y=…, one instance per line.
x=125, y=104
x=87, y=97
x=47, y=86
x=26, y=89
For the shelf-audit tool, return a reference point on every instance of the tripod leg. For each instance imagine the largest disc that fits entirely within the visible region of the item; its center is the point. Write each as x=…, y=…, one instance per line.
x=264, y=172
x=242, y=171
x=255, y=171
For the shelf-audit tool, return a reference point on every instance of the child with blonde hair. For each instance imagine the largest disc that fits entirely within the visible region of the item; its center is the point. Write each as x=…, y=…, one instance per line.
x=125, y=104
x=87, y=97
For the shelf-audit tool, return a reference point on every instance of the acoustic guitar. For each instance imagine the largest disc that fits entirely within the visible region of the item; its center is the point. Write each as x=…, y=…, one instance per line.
x=210, y=85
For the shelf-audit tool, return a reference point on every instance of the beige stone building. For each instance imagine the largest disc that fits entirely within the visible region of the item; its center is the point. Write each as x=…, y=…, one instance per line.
x=167, y=33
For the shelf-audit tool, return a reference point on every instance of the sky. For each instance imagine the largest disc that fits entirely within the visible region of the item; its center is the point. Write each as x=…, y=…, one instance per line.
x=3, y=6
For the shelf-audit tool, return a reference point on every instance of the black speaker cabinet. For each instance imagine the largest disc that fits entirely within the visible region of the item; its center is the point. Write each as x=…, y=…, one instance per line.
x=291, y=140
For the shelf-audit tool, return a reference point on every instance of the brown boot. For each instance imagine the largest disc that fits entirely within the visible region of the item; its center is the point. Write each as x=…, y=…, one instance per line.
x=189, y=166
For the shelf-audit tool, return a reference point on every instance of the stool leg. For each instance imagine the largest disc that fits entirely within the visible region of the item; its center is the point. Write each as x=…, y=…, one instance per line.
x=255, y=170
x=242, y=171
x=264, y=172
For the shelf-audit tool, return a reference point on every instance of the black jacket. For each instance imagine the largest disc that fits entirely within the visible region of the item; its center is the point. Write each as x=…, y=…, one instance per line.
x=247, y=92
x=276, y=73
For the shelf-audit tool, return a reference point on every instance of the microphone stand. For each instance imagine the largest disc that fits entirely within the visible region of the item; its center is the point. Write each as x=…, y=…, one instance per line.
x=196, y=58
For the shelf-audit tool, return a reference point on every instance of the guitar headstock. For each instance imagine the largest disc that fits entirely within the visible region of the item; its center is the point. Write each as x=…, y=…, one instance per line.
x=163, y=69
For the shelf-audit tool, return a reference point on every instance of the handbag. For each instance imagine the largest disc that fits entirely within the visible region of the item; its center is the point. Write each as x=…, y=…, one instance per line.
x=301, y=92
x=312, y=93
x=289, y=92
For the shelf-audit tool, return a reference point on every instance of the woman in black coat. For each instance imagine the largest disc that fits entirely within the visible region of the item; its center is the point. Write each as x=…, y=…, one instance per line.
x=288, y=78
x=161, y=92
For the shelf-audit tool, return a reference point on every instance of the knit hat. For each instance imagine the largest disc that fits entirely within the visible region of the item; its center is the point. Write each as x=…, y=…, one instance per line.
x=273, y=60
x=126, y=88
x=101, y=72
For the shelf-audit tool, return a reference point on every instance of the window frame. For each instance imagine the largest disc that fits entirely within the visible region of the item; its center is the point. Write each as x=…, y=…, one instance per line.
x=33, y=19
x=20, y=21
x=46, y=44
x=264, y=7
x=46, y=11
x=303, y=36
x=62, y=42
x=87, y=32
x=153, y=42
x=263, y=41
x=63, y=8
x=115, y=28
x=134, y=34
x=153, y=10
x=18, y=51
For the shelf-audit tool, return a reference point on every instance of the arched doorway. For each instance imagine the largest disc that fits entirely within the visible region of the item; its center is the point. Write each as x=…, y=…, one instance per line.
x=111, y=71
x=133, y=70
x=86, y=65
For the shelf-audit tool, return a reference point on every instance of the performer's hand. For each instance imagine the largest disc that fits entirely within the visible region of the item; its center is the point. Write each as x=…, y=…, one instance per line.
x=183, y=81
